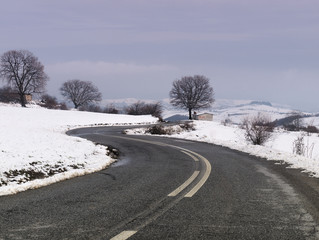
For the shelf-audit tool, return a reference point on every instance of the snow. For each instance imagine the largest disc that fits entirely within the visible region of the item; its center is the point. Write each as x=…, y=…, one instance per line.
x=278, y=148
x=33, y=141
x=234, y=110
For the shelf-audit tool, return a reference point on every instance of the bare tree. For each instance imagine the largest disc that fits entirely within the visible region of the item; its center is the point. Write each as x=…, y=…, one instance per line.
x=297, y=121
x=135, y=108
x=49, y=102
x=191, y=93
x=23, y=72
x=91, y=108
x=110, y=109
x=80, y=92
x=141, y=108
x=258, y=129
x=155, y=109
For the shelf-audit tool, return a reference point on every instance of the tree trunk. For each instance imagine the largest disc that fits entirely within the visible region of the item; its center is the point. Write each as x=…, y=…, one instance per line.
x=22, y=100
x=190, y=114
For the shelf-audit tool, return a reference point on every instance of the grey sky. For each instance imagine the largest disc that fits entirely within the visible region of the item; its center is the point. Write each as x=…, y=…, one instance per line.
x=249, y=49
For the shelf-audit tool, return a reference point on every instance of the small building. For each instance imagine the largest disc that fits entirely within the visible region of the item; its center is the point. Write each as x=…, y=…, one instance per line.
x=28, y=97
x=204, y=117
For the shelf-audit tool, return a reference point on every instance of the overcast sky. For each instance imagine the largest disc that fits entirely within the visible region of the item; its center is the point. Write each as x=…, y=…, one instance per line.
x=249, y=49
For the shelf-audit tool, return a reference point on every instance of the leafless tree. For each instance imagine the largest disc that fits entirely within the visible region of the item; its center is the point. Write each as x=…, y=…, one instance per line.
x=49, y=101
x=191, y=93
x=294, y=121
x=110, y=109
x=142, y=108
x=91, y=108
x=80, y=92
x=23, y=72
x=258, y=129
x=155, y=109
x=135, y=108
x=63, y=106
x=297, y=121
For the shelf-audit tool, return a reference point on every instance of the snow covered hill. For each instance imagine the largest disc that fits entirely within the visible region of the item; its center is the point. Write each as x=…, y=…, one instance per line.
x=234, y=110
x=33, y=145
x=237, y=110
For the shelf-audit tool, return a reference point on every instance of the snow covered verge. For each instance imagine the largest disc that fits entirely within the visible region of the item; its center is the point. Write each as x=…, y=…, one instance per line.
x=35, y=151
x=279, y=148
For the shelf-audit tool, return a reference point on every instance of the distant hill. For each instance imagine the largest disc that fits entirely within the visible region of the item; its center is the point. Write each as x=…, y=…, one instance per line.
x=176, y=118
x=235, y=110
x=261, y=103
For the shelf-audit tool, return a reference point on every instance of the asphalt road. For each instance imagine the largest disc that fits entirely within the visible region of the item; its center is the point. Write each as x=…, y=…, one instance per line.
x=165, y=188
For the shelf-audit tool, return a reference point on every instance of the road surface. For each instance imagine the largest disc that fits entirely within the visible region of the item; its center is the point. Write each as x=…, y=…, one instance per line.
x=164, y=188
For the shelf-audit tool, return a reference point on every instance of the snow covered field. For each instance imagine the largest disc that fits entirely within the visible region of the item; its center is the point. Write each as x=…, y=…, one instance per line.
x=33, y=144
x=279, y=148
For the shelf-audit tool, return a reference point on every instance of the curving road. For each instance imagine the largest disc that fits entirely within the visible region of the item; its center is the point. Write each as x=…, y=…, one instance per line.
x=168, y=189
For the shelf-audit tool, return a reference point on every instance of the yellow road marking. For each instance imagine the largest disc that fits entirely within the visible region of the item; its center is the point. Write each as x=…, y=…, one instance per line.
x=193, y=157
x=184, y=185
x=124, y=235
x=204, y=178
x=190, y=153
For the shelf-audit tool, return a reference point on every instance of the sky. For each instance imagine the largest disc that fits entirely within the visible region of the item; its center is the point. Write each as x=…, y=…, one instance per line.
x=249, y=49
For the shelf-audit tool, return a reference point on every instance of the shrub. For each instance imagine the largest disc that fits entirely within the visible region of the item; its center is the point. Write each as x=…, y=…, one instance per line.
x=188, y=126
x=7, y=95
x=110, y=109
x=311, y=129
x=49, y=102
x=141, y=108
x=302, y=148
x=90, y=108
x=294, y=122
x=258, y=129
x=63, y=106
x=299, y=146
x=157, y=129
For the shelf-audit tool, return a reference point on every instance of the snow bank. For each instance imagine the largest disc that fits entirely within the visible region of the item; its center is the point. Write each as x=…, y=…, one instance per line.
x=33, y=144
x=279, y=148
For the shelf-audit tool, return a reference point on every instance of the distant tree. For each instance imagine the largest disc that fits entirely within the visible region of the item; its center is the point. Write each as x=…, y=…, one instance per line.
x=141, y=108
x=63, y=106
x=191, y=93
x=135, y=108
x=23, y=73
x=49, y=101
x=80, y=93
x=298, y=120
x=294, y=122
x=91, y=108
x=155, y=109
x=7, y=95
x=110, y=109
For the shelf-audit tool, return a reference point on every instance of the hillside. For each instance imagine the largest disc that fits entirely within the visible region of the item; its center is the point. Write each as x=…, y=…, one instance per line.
x=33, y=145
x=235, y=110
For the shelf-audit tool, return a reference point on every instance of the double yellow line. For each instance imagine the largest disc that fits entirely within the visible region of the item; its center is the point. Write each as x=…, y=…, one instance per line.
x=196, y=157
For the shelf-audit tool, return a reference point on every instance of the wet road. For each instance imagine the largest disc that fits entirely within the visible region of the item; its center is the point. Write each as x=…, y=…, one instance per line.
x=168, y=189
